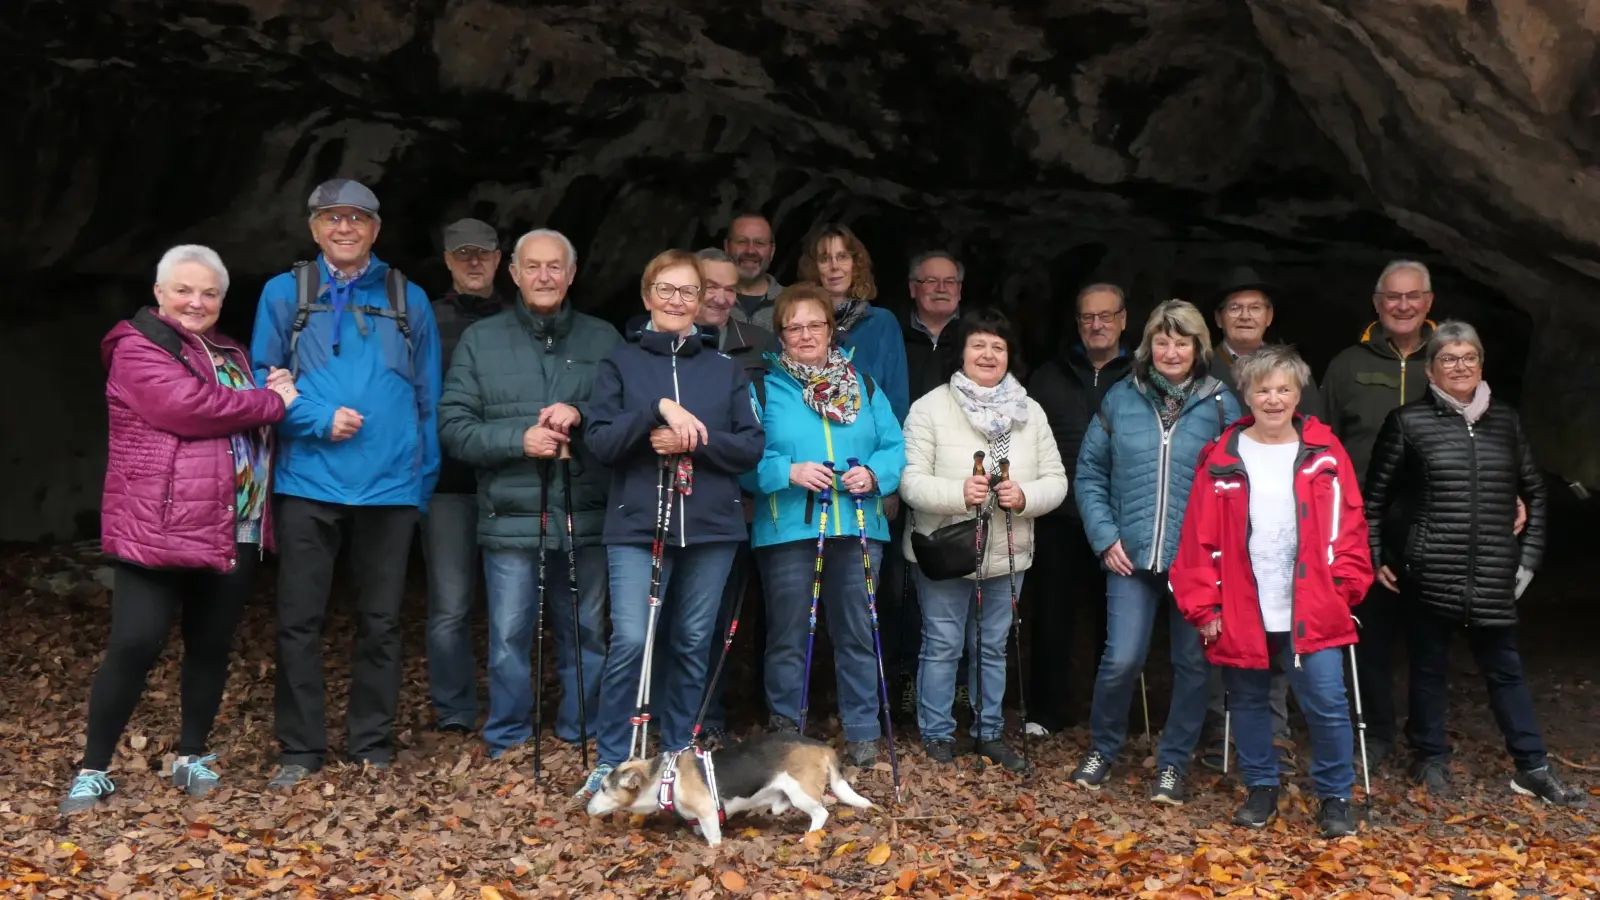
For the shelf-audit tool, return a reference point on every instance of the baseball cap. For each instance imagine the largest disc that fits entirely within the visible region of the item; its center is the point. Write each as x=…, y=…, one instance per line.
x=343, y=192
x=470, y=233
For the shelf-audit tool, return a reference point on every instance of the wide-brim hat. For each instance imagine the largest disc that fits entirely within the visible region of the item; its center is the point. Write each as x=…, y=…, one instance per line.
x=1244, y=278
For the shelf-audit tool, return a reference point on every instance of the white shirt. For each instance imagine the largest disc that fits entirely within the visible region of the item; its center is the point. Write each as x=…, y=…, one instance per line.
x=1273, y=534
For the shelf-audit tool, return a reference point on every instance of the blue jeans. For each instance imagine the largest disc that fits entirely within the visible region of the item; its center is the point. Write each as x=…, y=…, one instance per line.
x=949, y=625
x=1319, y=691
x=450, y=550
x=1132, y=602
x=512, y=578
x=787, y=572
x=691, y=587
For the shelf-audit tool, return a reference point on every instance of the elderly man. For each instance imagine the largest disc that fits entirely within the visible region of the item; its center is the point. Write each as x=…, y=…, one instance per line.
x=1362, y=385
x=359, y=454
x=1069, y=387
x=935, y=281
x=450, y=529
x=749, y=242
x=514, y=398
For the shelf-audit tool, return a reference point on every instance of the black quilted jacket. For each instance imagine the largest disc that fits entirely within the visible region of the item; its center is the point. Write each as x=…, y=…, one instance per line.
x=1461, y=554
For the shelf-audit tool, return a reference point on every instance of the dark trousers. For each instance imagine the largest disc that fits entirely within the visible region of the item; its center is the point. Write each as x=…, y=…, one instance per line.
x=1495, y=650
x=309, y=536
x=1383, y=630
x=1065, y=583
x=899, y=612
x=738, y=583
x=143, y=604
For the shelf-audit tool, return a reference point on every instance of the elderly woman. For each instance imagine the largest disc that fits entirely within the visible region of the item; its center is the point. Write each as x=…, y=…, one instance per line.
x=984, y=407
x=1462, y=461
x=667, y=407
x=835, y=258
x=1273, y=556
x=819, y=409
x=1134, y=471
x=185, y=512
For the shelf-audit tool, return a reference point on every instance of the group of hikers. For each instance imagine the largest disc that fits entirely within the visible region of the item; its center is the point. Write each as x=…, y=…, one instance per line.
x=898, y=478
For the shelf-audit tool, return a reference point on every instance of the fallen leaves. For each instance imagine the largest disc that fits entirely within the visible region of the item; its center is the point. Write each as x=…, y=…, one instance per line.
x=733, y=881
x=878, y=855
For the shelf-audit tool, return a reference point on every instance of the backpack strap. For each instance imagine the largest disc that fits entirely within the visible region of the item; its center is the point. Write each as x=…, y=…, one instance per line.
x=307, y=286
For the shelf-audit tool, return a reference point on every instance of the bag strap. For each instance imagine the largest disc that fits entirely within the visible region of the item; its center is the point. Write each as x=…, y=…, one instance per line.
x=307, y=285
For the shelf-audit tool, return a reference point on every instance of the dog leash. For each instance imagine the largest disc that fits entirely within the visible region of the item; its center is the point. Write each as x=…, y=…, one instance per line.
x=669, y=779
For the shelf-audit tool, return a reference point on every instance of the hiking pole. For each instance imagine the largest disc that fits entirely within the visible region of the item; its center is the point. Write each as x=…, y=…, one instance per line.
x=1144, y=695
x=981, y=542
x=1227, y=730
x=640, y=740
x=1016, y=620
x=538, y=614
x=1361, y=724
x=565, y=456
x=825, y=498
x=877, y=641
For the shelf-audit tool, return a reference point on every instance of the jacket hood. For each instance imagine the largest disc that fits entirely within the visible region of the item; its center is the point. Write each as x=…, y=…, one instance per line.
x=1223, y=453
x=1373, y=338
x=148, y=323
x=663, y=344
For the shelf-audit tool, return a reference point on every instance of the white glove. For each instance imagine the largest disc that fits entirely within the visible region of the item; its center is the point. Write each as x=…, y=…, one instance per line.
x=1524, y=575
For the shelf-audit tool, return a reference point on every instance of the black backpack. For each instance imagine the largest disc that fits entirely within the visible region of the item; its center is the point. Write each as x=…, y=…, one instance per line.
x=308, y=288
x=758, y=380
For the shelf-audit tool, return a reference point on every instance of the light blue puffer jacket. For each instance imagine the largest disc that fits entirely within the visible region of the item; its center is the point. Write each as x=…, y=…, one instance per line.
x=1133, y=483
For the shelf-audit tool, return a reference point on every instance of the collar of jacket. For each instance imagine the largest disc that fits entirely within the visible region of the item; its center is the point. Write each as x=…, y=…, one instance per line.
x=913, y=325
x=1076, y=358
x=1374, y=338
x=1224, y=459
x=776, y=367
x=475, y=307
x=666, y=344
x=374, y=275
x=543, y=327
x=1202, y=391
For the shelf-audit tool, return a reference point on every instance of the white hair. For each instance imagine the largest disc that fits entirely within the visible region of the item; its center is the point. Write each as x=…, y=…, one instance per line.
x=1399, y=264
x=572, y=252
x=1452, y=331
x=1267, y=359
x=195, y=253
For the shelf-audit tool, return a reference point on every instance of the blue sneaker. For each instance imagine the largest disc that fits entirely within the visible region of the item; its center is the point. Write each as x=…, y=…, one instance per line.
x=89, y=789
x=591, y=785
x=195, y=775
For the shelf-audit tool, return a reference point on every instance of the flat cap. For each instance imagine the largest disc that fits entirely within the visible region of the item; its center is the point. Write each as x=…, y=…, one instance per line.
x=470, y=233
x=343, y=192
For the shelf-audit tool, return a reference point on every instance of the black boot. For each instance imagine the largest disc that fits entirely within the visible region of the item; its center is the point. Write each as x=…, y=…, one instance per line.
x=1260, y=807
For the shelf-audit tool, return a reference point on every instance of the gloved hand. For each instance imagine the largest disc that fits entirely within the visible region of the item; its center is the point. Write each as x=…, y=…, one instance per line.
x=1524, y=575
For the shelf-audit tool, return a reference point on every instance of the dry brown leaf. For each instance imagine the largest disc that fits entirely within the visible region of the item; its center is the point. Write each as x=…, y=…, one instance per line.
x=878, y=855
x=908, y=877
x=488, y=892
x=733, y=881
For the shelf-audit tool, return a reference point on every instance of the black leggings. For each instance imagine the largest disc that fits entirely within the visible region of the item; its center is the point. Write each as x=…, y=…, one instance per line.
x=143, y=604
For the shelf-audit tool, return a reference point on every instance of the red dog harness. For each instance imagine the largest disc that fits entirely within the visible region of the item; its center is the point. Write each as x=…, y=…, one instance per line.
x=669, y=779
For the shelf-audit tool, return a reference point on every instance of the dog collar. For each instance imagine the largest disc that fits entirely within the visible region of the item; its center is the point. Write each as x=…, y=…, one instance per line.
x=669, y=780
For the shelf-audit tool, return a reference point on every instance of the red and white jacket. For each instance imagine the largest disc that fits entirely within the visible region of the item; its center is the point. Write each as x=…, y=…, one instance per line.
x=1212, y=575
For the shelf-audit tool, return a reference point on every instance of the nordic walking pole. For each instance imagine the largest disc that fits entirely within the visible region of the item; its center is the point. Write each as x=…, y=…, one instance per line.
x=1144, y=695
x=565, y=456
x=1361, y=723
x=538, y=640
x=665, y=488
x=1227, y=730
x=825, y=499
x=877, y=641
x=1016, y=620
x=982, y=546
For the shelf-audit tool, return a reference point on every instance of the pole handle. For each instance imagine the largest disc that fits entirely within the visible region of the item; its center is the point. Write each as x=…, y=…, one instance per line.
x=1005, y=469
x=565, y=452
x=977, y=463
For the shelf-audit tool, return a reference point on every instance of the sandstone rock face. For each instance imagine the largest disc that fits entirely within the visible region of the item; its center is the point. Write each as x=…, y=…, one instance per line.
x=1154, y=143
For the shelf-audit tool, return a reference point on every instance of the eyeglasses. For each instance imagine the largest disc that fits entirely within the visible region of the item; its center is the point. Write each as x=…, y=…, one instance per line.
x=689, y=292
x=1254, y=310
x=472, y=254
x=837, y=259
x=1469, y=361
x=356, y=219
x=950, y=283
x=1104, y=318
x=1393, y=297
x=812, y=328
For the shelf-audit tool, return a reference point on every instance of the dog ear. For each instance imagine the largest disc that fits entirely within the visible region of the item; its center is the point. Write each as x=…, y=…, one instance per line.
x=631, y=780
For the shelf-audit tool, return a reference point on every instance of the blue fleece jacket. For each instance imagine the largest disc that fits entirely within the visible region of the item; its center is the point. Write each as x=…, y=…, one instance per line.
x=624, y=407
x=394, y=459
x=795, y=434
x=879, y=349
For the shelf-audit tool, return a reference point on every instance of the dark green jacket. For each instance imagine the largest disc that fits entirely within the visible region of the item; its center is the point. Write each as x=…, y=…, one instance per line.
x=1365, y=382
x=507, y=369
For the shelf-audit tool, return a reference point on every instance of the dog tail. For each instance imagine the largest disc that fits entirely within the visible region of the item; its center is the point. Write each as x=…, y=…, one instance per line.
x=842, y=788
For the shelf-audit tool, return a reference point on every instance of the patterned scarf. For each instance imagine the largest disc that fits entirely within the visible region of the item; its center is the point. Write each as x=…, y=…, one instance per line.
x=1471, y=411
x=1172, y=397
x=251, y=462
x=849, y=313
x=832, y=390
x=993, y=411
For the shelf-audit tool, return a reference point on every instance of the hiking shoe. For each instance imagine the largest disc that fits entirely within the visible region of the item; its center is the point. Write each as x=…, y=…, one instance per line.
x=1542, y=783
x=1092, y=772
x=1169, y=787
x=940, y=751
x=1334, y=818
x=861, y=754
x=591, y=785
x=195, y=775
x=453, y=728
x=777, y=724
x=1260, y=807
x=90, y=788
x=997, y=751
x=1432, y=776
x=287, y=777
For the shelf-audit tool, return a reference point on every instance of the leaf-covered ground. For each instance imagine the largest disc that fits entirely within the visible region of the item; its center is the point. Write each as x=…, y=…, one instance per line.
x=449, y=822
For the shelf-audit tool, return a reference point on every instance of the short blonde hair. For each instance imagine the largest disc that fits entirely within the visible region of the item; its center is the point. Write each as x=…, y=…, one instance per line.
x=1178, y=318
x=665, y=260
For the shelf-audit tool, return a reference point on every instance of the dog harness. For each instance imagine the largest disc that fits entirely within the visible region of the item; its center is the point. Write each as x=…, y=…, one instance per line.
x=669, y=780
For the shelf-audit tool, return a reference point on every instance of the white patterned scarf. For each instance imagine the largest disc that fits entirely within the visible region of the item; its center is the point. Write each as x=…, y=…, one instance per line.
x=993, y=411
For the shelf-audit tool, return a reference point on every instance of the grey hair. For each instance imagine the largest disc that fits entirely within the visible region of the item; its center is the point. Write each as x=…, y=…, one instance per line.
x=1400, y=264
x=715, y=255
x=572, y=252
x=195, y=253
x=1452, y=331
x=920, y=258
x=1100, y=288
x=1179, y=317
x=1267, y=359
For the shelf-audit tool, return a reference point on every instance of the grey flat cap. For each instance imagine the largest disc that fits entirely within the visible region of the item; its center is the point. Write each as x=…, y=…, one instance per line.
x=343, y=192
x=470, y=233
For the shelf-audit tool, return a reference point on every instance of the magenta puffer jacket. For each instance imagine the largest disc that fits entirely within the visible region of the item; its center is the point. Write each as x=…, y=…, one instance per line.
x=170, y=483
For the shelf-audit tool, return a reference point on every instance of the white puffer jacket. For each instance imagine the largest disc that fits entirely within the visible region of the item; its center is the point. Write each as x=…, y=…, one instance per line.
x=940, y=443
